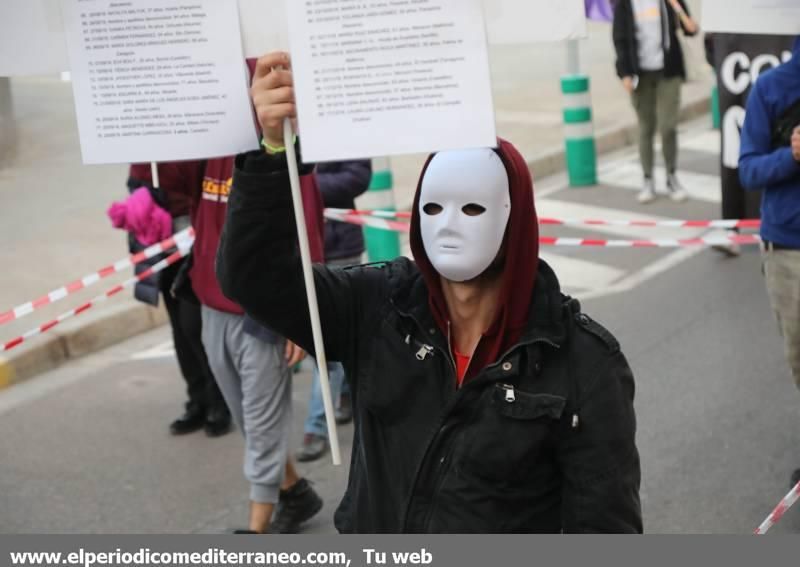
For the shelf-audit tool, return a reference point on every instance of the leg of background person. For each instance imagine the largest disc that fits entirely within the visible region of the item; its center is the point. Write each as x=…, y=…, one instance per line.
x=315, y=420
x=644, y=101
x=782, y=275
x=217, y=415
x=267, y=411
x=342, y=404
x=221, y=360
x=668, y=108
x=668, y=111
x=191, y=369
x=315, y=427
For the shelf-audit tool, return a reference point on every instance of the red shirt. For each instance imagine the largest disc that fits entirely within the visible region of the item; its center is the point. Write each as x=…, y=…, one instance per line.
x=462, y=362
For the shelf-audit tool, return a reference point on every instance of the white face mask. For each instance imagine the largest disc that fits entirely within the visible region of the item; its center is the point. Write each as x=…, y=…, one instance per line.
x=464, y=207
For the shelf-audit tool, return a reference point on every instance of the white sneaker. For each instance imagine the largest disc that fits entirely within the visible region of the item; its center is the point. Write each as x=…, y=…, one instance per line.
x=648, y=192
x=676, y=191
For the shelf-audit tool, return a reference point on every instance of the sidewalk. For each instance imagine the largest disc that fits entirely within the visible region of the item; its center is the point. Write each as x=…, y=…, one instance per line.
x=53, y=221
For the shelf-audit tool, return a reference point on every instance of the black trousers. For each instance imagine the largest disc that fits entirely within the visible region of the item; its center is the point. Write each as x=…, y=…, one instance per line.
x=185, y=320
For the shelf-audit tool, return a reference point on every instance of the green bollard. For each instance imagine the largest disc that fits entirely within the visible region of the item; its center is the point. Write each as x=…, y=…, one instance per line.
x=581, y=149
x=382, y=245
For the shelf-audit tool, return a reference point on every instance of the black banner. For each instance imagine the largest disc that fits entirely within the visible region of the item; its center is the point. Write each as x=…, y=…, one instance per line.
x=738, y=60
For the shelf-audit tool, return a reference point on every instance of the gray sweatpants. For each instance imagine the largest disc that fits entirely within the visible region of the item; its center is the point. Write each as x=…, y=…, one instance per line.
x=257, y=386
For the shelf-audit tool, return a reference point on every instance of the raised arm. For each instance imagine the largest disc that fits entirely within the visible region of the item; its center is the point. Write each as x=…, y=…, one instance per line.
x=258, y=262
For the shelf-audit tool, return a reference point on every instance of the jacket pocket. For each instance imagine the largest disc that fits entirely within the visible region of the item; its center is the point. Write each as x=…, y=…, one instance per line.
x=511, y=434
x=515, y=404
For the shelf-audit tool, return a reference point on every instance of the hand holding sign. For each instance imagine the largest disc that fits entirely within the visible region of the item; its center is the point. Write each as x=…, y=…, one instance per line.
x=272, y=92
x=796, y=144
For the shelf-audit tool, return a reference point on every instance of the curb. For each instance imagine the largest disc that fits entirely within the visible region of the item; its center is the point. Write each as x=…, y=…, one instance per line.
x=111, y=326
x=609, y=140
x=122, y=322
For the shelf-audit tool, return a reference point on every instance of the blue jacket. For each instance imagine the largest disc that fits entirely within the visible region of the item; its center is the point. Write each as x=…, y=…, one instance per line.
x=339, y=184
x=763, y=167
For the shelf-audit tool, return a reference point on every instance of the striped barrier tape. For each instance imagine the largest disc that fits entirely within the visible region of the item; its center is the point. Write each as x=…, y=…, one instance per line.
x=787, y=502
x=726, y=224
x=183, y=250
x=57, y=295
x=743, y=239
x=400, y=226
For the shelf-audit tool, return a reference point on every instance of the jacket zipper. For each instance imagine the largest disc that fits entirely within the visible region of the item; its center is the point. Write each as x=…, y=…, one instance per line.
x=439, y=429
x=510, y=395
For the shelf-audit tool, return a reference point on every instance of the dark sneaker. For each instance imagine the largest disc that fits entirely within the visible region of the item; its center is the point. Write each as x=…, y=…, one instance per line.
x=218, y=422
x=295, y=506
x=344, y=412
x=193, y=419
x=795, y=477
x=245, y=532
x=313, y=448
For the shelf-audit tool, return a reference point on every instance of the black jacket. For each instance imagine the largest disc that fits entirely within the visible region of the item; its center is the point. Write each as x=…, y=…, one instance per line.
x=339, y=184
x=540, y=441
x=626, y=45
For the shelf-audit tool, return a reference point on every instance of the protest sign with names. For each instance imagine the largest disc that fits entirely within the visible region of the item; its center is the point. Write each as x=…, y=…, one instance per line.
x=158, y=80
x=376, y=79
x=768, y=17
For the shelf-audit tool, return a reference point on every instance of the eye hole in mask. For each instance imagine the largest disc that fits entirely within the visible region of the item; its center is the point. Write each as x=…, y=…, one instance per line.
x=473, y=210
x=432, y=209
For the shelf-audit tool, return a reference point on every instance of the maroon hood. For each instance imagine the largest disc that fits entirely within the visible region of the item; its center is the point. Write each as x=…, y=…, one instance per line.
x=519, y=272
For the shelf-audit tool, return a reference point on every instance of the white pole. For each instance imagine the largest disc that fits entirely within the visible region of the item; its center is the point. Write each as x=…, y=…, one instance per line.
x=154, y=175
x=573, y=57
x=311, y=292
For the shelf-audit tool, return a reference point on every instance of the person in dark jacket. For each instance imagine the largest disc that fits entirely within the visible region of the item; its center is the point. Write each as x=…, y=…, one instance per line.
x=770, y=160
x=339, y=184
x=205, y=407
x=651, y=66
x=485, y=400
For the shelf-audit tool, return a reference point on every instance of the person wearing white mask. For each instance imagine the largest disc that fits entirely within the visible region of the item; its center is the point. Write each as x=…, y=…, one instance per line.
x=484, y=399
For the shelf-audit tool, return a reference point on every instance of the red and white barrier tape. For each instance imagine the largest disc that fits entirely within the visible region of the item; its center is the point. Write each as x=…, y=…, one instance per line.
x=174, y=257
x=726, y=224
x=743, y=239
x=86, y=281
x=787, y=502
x=725, y=240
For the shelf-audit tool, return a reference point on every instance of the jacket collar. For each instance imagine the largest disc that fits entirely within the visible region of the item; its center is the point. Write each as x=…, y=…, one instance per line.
x=547, y=317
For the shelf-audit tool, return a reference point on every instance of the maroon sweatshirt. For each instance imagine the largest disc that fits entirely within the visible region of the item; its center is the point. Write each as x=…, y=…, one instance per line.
x=207, y=185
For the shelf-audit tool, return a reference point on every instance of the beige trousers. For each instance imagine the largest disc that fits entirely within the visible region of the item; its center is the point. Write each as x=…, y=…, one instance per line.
x=782, y=275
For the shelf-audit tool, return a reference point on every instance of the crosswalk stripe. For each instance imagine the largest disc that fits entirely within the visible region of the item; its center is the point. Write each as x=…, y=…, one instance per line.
x=699, y=186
